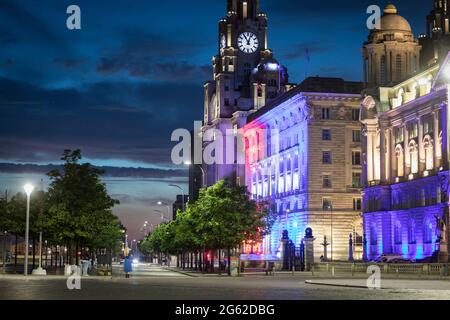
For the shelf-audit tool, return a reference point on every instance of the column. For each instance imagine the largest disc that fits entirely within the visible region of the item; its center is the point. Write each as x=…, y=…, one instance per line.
x=365, y=69
x=383, y=159
x=421, y=157
x=436, y=145
x=407, y=157
x=369, y=156
x=388, y=67
x=388, y=153
x=394, y=172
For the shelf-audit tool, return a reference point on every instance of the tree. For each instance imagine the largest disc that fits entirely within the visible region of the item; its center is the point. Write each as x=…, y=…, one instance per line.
x=80, y=209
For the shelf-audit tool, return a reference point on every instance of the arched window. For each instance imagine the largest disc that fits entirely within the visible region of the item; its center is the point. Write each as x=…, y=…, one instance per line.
x=398, y=232
x=428, y=231
x=414, y=157
x=373, y=235
x=412, y=232
x=429, y=153
x=400, y=161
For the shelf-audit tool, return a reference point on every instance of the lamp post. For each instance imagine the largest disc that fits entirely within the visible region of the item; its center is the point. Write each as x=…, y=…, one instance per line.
x=160, y=203
x=188, y=163
x=330, y=207
x=182, y=192
x=28, y=190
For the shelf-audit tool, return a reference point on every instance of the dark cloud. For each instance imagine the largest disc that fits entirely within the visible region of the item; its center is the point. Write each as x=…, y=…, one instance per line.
x=107, y=120
x=298, y=51
x=69, y=63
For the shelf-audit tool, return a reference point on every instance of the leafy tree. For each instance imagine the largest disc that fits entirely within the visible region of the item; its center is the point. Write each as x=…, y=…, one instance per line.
x=80, y=209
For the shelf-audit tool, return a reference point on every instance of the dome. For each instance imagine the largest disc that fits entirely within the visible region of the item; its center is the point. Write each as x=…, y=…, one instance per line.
x=392, y=21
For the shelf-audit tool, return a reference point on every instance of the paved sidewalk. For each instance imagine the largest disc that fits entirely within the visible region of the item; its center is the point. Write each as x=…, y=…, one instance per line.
x=392, y=284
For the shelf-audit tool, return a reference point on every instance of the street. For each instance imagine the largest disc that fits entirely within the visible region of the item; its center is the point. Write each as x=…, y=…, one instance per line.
x=151, y=282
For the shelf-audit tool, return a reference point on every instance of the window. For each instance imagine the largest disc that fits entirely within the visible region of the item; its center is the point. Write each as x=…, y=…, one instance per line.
x=327, y=204
x=398, y=67
x=356, y=180
x=356, y=158
x=356, y=135
x=272, y=83
x=326, y=135
x=398, y=132
x=357, y=204
x=227, y=101
x=383, y=69
x=326, y=157
x=427, y=124
x=355, y=114
x=398, y=233
x=412, y=130
x=327, y=181
x=326, y=113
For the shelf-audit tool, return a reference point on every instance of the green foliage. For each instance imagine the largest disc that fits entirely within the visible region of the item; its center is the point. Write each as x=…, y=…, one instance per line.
x=79, y=207
x=222, y=218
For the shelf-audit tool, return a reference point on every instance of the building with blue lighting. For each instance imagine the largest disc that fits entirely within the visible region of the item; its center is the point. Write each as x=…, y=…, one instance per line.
x=405, y=139
x=303, y=157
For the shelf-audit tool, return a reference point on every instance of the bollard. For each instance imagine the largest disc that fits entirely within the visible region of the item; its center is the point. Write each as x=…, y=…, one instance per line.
x=397, y=273
x=332, y=271
x=312, y=270
x=328, y=267
x=353, y=270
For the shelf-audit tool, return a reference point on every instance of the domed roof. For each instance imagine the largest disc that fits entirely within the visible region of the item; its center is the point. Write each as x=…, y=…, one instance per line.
x=392, y=21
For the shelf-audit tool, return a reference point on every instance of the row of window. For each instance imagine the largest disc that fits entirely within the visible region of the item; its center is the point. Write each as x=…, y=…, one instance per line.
x=356, y=135
x=326, y=114
x=327, y=204
x=328, y=159
x=356, y=181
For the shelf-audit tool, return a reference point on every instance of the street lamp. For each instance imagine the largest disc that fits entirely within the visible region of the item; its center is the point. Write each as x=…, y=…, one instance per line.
x=330, y=207
x=160, y=203
x=182, y=192
x=188, y=163
x=28, y=190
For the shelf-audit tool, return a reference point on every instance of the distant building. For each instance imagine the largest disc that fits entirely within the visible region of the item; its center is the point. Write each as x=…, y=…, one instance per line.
x=179, y=205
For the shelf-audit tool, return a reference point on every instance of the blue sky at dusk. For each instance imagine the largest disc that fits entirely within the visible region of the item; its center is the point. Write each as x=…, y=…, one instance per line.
x=117, y=88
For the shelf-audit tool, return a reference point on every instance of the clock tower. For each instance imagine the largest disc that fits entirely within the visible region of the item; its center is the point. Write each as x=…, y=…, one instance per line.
x=245, y=78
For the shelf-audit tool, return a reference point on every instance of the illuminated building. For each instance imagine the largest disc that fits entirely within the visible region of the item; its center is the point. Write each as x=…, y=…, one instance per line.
x=303, y=156
x=405, y=145
x=246, y=77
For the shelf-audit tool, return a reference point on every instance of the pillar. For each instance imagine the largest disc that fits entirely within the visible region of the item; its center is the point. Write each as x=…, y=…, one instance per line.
x=436, y=144
x=407, y=157
x=383, y=159
x=421, y=150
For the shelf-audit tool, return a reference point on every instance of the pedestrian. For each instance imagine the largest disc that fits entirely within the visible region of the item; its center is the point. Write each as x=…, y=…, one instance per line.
x=85, y=264
x=128, y=266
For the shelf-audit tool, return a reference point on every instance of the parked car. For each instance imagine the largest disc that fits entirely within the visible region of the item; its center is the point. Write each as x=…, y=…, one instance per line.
x=392, y=258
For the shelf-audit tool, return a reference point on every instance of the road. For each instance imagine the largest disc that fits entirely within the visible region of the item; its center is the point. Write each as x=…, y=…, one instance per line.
x=155, y=283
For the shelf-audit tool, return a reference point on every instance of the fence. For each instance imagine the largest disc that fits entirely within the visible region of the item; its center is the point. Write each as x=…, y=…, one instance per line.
x=441, y=269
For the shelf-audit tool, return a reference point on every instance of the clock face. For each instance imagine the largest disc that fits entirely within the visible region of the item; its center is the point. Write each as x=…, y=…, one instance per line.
x=248, y=42
x=223, y=42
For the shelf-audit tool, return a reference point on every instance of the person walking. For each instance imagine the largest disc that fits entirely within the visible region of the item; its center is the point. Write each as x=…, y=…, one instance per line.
x=128, y=266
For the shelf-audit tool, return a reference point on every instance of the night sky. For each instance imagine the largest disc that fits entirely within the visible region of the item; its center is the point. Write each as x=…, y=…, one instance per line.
x=117, y=88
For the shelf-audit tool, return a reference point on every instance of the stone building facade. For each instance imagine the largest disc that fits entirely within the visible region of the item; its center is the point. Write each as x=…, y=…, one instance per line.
x=245, y=78
x=405, y=172
x=303, y=156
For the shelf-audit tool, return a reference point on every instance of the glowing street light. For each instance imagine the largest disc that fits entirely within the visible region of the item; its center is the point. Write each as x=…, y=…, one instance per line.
x=188, y=163
x=28, y=190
